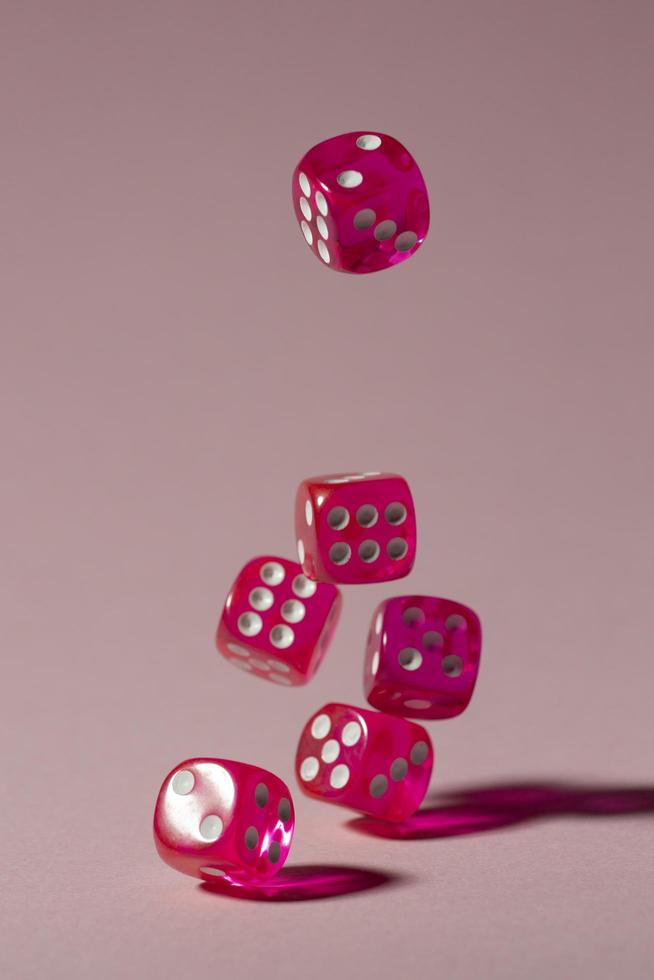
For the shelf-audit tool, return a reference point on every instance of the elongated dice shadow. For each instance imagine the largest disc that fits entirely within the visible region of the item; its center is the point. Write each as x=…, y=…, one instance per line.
x=306, y=882
x=479, y=809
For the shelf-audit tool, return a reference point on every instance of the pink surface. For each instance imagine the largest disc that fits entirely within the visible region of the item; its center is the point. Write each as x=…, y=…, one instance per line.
x=174, y=361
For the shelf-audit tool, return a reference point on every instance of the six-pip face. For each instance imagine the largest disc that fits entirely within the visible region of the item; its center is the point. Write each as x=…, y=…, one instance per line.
x=355, y=528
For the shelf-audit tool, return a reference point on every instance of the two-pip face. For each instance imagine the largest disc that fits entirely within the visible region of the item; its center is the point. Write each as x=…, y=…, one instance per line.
x=216, y=818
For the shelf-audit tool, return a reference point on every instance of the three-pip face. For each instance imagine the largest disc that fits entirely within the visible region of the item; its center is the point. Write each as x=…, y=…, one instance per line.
x=422, y=657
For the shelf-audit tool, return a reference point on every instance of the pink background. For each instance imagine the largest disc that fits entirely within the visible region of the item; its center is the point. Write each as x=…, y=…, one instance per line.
x=174, y=360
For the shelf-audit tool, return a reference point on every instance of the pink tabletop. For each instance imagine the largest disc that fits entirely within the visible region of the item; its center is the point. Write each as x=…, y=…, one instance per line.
x=175, y=360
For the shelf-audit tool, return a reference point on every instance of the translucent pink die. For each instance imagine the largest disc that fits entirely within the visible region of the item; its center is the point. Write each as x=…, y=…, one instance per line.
x=422, y=657
x=276, y=623
x=364, y=760
x=361, y=202
x=215, y=818
x=355, y=528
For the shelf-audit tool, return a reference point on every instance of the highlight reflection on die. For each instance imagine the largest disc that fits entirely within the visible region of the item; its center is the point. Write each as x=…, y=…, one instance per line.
x=219, y=818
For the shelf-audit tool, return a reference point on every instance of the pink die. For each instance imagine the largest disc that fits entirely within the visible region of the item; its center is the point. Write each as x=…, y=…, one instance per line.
x=215, y=818
x=364, y=760
x=361, y=202
x=422, y=657
x=276, y=623
x=355, y=528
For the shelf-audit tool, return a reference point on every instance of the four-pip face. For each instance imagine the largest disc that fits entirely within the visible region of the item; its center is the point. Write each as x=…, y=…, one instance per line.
x=422, y=657
x=215, y=818
x=361, y=202
x=355, y=528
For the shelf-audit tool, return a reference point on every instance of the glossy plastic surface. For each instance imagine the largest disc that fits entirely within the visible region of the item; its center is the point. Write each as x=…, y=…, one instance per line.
x=220, y=819
x=275, y=623
x=361, y=202
x=422, y=657
x=355, y=528
x=365, y=760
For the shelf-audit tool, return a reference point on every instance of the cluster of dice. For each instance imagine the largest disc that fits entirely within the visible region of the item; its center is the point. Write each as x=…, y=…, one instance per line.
x=219, y=818
x=216, y=818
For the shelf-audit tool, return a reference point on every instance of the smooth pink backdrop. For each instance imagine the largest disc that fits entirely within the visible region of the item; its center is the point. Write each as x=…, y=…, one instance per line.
x=174, y=360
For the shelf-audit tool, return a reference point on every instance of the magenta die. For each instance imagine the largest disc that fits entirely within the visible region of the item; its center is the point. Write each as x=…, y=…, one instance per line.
x=277, y=623
x=364, y=760
x=361, y=202
x=422, y=657
x=220, y=819
x=355, y=528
